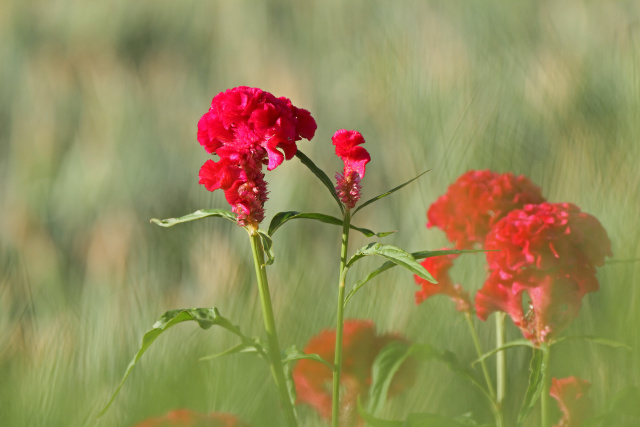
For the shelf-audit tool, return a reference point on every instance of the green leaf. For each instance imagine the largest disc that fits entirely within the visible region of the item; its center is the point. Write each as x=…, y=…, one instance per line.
x=374, y=421
x=536, y=385
x=281, y=217
x=393, y=190
x=199, y=214
x=626, y=402
x=240, y=348
x=516, y=343
x=267, y=246
x=387, y=265
x=384, y=368
x=294, y=354
x=595, y=340
x=321, y=176
x=205, y=317
x=395, y=255
x=431, y=420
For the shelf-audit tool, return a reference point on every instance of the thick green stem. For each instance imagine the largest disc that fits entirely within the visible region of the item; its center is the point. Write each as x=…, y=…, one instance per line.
x=337, y=363
x=546, y=385
x=501, y=377
x=273, y=348
x=495, y=407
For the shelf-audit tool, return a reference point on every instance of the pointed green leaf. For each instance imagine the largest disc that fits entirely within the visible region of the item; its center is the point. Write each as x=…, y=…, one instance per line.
x=321, y=176
x=199, y=214
x=393, y=190
x=281, y=217
x=267, y=246
x=374, y=421
x=595, y=340
x=395, y=255
x=205, y=317
x=243, y=347
x=294, y=354
x=516, y=343
x=384, y=368
x=535, y=385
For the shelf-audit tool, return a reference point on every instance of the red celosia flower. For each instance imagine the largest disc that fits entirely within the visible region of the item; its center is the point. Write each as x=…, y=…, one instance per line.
x=360, y=346
x=187, y=418
x=476, y=201
x=439, y=267
x=247, y=128
x=355, y=159
x=548, y=252
x=571, y=394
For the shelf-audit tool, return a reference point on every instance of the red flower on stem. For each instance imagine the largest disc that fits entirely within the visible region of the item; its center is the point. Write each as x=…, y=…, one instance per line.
x=548, y=252
x=360, y=347
x=355, y=158
x=187, y=418
x=439, y=267
x=476, y=201
x=571, y=394
x=248, y=128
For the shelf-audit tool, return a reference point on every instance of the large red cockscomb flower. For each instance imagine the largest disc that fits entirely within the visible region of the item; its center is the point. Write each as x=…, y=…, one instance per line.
x=476, y=201
x=187, y=418
x=439, y=267
x=360, y=346
x=248, y=128
x=571, y=394
x=548, y=252
x=355, y=158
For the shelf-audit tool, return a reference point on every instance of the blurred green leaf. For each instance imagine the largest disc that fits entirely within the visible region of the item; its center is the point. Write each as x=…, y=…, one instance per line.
x=267, y=246
x=243, y=347
x=294, y=354
x=199, y=214
x=393, y=190
x=395, y=255
x=281, y=217
x=534, y=390
x=431, y=420
x=384, y=368
x=204, y=317
x=321, y=176
x=374, y=421
x=516, y=343
x=626, y=402
x=595, y=340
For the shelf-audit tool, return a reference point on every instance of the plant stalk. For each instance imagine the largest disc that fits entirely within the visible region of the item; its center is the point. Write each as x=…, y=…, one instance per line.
x=501, y=366
x=546, y=385
x=273, y=348
x=337, y=363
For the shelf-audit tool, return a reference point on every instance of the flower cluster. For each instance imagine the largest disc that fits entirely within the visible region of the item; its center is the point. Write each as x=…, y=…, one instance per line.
x=355, y=159
x=187, y=418
x=248, y=128
x=439, y=267
x=360, y=347
x=571, y=394
x=476, y=201
x=548, y=251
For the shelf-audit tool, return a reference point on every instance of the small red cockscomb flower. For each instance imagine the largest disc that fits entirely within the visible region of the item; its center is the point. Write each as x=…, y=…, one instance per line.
x=476, y=201
x=355, y=159
x=248, y=128
x=548, y=252
x=187, y=418
x=439, y=267
x=360, y=346
x=571, y=394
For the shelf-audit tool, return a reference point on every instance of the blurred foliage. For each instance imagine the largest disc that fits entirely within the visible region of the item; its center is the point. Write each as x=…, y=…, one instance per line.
x=99, y=103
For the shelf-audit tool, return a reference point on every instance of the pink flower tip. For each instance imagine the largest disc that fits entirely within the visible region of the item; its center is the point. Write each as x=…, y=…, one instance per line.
x=355, y=158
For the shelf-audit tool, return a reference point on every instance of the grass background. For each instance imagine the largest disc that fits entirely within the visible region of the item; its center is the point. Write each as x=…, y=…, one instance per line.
x=98, y=110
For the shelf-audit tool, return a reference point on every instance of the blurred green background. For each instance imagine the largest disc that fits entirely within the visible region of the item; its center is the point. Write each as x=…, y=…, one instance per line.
x=99, y=103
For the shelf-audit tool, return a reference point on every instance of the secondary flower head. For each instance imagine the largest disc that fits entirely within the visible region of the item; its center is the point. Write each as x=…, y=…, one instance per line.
x=547, y=253
x=476, y=201
x=248, y=128
x=348, y=148
x=439, y=267
x=187, y=418
x=360, y=347
x=571, y=394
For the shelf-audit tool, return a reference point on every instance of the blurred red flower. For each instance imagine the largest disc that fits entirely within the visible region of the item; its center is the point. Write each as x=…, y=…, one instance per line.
x=571, y=394
x=355, y=158
x=476, y=201
x=247, y=128
x=187, y=418
x=439, y=267
x=548, y=252
x=360, y=347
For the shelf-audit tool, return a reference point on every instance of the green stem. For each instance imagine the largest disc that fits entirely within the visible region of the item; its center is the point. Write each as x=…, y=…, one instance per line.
x=337, y=363
x=546, y=385
x=273, y=348
x=501, y=378
x=495, y=407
